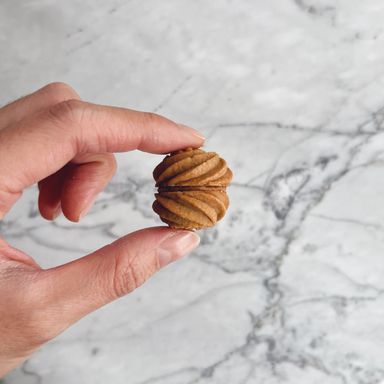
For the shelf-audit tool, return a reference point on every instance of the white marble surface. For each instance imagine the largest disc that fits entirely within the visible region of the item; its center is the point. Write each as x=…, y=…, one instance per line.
x=289, y=287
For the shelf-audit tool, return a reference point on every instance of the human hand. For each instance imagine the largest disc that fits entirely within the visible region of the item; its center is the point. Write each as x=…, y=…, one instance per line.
x=65, y=145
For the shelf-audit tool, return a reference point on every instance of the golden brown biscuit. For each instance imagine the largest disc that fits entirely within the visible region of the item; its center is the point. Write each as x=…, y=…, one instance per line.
x=191, y=189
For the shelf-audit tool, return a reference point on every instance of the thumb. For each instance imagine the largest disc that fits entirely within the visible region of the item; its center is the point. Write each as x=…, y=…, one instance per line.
x=78, y=288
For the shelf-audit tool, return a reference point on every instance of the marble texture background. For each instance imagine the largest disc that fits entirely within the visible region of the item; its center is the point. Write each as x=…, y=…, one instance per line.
x=289, y=287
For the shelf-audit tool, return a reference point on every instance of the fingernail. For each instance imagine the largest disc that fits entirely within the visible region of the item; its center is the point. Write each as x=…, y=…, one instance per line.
x=87, y=207
x=176, y=246
x=193, y=131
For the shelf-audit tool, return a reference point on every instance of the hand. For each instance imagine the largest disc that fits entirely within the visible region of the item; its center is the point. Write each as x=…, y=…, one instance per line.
x=65, y=145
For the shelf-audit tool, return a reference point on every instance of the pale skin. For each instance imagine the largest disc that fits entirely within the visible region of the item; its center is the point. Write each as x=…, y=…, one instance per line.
x=66, y=146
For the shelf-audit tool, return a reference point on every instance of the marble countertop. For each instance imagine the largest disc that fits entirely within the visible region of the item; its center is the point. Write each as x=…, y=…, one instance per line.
x=289, y=287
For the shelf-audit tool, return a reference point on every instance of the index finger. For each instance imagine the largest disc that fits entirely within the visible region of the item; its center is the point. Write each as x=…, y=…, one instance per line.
x=42, y=144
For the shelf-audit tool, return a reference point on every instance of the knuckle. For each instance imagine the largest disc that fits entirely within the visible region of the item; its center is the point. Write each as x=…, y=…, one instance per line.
x=59, y=91
x=151, y=118
x=68, y=111
x=126, y=279
x=151, y=122
x=128, y=275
